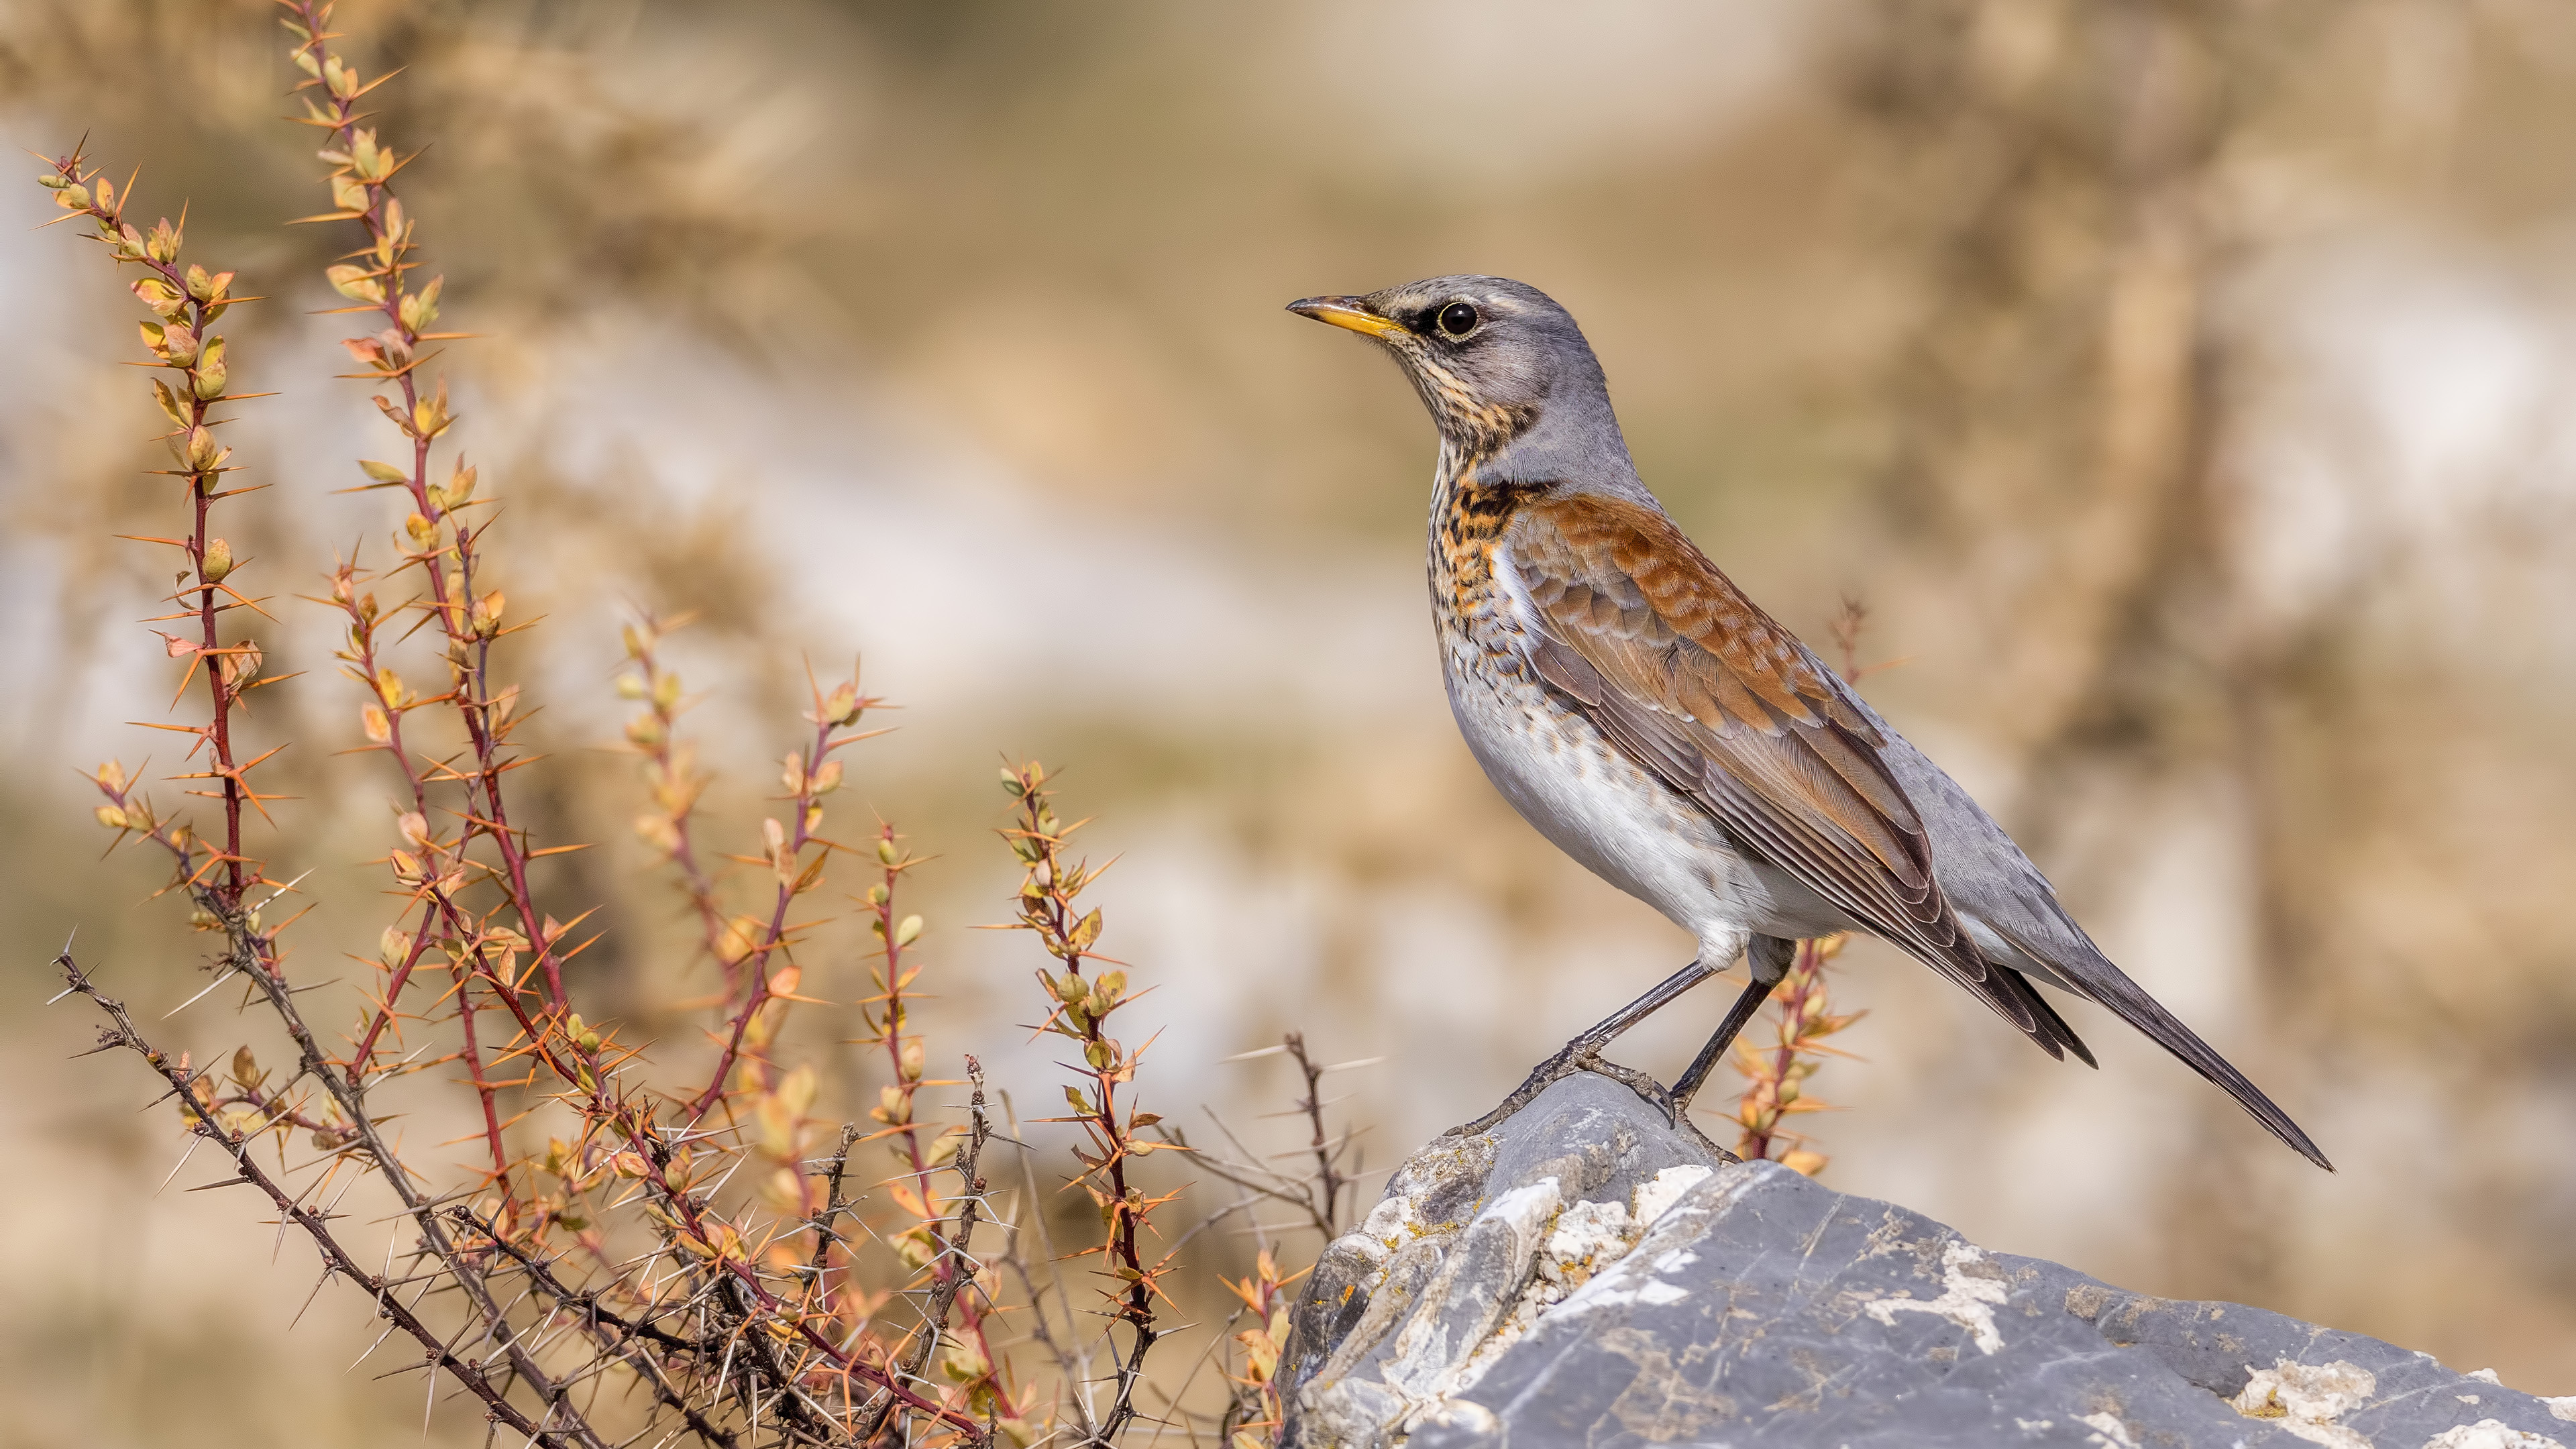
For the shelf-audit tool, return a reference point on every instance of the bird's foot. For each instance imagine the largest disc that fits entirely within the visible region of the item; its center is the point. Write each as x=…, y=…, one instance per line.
x=1578, y=1057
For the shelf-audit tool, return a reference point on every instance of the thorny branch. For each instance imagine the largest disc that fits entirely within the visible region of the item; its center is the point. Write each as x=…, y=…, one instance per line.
x=675, y=1233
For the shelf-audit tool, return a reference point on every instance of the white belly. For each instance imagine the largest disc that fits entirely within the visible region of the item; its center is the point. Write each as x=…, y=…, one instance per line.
x=1622, y=823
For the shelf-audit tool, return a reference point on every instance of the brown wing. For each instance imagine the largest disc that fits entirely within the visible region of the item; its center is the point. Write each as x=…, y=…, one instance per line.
x=1689, y=679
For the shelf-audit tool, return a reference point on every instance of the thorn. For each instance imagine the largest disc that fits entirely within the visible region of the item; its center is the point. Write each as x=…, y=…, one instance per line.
x=309, y=1297
x=193, y=1140
x=200, y=996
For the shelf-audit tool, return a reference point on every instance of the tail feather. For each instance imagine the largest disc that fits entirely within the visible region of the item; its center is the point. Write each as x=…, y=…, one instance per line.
x=2093, y=974
x=2052, y=1022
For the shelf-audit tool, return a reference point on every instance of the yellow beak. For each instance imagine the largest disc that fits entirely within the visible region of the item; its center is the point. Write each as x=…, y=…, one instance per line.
x=1347, y=312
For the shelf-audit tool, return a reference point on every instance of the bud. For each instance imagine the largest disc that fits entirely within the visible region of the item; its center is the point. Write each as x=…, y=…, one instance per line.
x=791, y=774
x=827, y=777
x=888, y=853
x=73, y=197
x=423, y=532
x=1106, y=993
x=908, y=932
x=163, y=245
x=841, y=706
x=379, y=729
x=420, y=309
x=394, y=946
x=212, y=373
x=111, y=817
x=111, y=775
x=160, y=296
x=913, y=1054
x=203, y=452
x=178, y=344
x=217, y=562
x=894, y=1106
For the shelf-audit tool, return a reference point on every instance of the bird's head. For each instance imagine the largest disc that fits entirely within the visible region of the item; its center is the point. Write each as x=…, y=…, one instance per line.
x=1495, y=360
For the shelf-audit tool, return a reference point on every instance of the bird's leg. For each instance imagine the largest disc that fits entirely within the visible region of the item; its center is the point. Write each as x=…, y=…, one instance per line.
x=1583, y=1054
x=1737, y=1015
x=1768, y=959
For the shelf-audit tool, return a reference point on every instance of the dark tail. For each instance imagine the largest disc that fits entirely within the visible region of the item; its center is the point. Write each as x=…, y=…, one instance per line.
x=2093, y=974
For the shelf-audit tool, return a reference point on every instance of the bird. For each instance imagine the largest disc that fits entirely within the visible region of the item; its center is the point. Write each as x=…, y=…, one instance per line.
x=1652, y=722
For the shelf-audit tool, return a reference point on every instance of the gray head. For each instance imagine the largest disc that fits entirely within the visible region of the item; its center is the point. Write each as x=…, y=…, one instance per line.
x=1505, y=372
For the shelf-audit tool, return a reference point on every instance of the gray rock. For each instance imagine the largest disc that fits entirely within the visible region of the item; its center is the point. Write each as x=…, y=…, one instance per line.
x=1587, y=1276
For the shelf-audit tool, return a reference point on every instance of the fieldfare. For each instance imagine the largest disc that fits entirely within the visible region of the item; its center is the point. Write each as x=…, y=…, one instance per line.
x=1657, y=726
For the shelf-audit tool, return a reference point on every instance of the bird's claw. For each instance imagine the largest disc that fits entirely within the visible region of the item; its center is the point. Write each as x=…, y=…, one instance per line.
x=1577, y=1057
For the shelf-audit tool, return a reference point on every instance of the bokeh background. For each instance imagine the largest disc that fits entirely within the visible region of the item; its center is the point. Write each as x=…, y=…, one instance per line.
x=2182, y=385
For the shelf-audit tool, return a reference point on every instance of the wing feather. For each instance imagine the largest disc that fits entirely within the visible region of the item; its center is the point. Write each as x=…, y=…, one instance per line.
x=1685, y=676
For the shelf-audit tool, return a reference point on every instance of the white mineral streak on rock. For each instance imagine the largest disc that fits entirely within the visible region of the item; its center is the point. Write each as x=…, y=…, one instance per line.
x=2563, y=1407
x=2490, y=1434
x=1665, y=1190
x=2485, y=1376
x=1589, y=1237
x=2307, y=1399
x=1587, y=1240
x=1427, y=1366
x=1967, y=1298
x=2108, y=1431
x=1465, y=1414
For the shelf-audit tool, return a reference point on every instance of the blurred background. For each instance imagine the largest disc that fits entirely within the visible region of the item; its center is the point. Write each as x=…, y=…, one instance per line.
x=2179, y=384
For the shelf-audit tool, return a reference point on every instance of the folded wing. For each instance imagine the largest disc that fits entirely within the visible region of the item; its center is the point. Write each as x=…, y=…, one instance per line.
x=1685, y=676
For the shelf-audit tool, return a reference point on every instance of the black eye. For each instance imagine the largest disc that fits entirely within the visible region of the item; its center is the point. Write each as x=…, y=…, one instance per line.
x=1458, y=319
